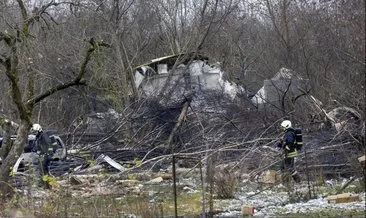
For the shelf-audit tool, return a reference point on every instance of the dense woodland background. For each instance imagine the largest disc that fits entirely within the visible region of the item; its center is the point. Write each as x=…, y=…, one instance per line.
x=323, y=41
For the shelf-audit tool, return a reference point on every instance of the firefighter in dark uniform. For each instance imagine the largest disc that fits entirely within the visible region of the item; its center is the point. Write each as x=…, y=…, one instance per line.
x=44, y=146
x=288, y=146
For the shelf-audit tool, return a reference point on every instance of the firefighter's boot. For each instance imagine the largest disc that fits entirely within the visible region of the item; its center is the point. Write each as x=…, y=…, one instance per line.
x=295, y=175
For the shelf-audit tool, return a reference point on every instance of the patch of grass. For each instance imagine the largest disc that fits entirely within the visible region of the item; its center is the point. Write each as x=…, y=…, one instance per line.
x=144, y=205
x=354, y=187
x=187, y=204
x=329, y=190
x=159, y=205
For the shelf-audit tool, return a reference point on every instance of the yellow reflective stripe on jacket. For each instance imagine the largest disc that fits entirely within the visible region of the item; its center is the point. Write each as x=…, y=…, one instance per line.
x=291, y=154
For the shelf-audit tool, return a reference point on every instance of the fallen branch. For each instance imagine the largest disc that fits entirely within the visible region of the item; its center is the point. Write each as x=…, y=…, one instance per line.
x=181, y=118
x=346, y=185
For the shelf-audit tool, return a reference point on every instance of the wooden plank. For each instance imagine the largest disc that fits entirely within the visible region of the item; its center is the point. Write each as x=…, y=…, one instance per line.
x=343, y=198
x=165, y=176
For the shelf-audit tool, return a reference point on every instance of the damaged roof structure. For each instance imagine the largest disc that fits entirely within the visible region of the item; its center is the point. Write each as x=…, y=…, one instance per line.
x=284, y=82
x=286, y=90
x=176, y=74
x=288, y=94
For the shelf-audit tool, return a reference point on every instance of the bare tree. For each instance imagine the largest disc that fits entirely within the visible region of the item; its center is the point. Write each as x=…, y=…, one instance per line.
x=15, y=41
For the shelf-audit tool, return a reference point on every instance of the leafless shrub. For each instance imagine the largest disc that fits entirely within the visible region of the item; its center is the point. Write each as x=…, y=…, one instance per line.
x=226, y=184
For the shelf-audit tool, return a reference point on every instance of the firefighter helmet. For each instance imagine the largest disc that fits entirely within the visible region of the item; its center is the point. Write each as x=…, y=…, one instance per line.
x=286, y=124
x=37, y=127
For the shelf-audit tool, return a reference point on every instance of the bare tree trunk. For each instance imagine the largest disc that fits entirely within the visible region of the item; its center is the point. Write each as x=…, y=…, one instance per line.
x=6, y=143
x=123, y=71
x=8, y=162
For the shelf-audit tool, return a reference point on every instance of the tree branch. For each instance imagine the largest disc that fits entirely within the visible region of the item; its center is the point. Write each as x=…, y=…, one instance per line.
x=181, y=117
x=23, y=10
x=78, y=79
x=199, y=47
x=56, y=89
x=38, y=13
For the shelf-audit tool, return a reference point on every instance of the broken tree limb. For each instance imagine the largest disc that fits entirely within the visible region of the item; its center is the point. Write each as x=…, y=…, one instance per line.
x=323, y=111
x=346, y=185
x=181, y=118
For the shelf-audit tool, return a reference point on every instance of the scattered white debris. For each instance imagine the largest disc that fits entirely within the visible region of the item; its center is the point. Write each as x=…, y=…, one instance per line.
x=156, y=180
x=269, y=203
x=110, y=161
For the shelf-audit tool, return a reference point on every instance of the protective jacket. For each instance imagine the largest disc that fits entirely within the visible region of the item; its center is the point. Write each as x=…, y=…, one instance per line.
x=288, y=144
x=44, y=144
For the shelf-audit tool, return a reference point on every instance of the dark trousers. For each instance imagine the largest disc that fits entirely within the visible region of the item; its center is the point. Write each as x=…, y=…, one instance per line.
x=43, y=163
x=42, y=169
x=288, y=166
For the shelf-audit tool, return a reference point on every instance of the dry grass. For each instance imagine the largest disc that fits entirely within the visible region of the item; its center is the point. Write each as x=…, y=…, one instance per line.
x=59, y=205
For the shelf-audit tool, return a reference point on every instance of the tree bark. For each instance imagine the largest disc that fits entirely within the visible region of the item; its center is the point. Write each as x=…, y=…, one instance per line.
x=6, y=143
x=25, y=109
x=8, y=162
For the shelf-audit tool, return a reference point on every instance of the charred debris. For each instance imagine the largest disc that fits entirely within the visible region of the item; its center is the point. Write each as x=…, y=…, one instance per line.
x=188, y=107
